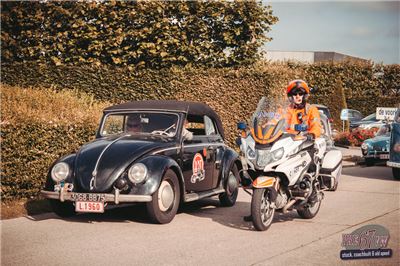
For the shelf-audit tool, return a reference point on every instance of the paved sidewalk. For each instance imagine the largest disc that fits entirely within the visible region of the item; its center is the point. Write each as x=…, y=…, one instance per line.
x=351, y=156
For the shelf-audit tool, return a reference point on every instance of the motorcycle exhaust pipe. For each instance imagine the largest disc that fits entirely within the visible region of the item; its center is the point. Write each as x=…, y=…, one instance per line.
x=288, y=205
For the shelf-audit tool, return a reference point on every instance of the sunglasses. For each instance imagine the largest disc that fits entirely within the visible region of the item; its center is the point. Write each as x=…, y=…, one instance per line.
x=298, y=93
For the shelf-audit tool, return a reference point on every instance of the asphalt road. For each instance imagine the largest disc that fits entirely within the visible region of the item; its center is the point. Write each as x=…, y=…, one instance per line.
x=203, y=233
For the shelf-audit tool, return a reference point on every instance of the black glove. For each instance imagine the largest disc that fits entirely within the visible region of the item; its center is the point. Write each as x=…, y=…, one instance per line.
x=310, y=137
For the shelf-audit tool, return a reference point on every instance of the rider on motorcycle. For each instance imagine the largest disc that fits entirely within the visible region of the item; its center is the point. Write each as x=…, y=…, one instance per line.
x=300, y=112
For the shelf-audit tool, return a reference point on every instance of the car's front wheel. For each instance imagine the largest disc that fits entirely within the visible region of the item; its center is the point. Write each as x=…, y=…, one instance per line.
x=63, y=209
x=228, y=198
x=165, y=201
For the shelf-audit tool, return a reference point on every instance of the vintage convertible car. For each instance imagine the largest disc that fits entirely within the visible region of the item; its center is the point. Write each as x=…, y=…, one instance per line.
x=161, y=153
x=377, y=148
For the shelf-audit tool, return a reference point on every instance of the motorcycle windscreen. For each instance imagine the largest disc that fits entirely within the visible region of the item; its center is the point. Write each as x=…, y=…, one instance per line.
x=395, y=139
x=265, y=132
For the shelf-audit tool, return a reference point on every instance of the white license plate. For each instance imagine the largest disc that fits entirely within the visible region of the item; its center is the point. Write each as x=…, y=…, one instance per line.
x=89, y=206
x=383, y=156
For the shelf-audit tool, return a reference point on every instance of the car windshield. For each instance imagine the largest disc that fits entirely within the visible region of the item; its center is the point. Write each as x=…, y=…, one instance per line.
x=154, y=123
x=370, y=117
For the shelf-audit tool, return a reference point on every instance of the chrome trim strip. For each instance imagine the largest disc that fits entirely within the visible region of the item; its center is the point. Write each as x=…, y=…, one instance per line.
x=204, y=144
x=166, y=149
x=393, y=164
x=94, y=173
x=196, y=196
x=116, y=198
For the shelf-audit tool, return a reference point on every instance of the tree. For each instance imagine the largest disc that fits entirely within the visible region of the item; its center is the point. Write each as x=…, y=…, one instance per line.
x=135, y=33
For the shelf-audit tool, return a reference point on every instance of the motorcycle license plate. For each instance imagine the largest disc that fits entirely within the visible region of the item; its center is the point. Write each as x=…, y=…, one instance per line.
x=89, y=206
x=384, y=156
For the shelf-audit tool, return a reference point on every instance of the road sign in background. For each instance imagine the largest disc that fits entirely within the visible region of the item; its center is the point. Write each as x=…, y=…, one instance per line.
x=383, y=113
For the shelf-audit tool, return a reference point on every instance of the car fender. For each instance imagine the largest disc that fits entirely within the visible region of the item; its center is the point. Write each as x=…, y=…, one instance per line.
x=157, y=165
x=68, y=159
x=229, y=158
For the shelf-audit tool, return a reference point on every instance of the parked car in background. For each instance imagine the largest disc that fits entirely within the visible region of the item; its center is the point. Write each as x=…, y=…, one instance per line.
x=368, y=122
x=326, y=119
x=351, y=115
x=377, y=148
x=324, y=110
x=160, y=153
x=394, y=156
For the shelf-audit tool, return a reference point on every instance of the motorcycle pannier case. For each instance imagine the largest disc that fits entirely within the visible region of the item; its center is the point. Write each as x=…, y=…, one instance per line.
x=331, y=168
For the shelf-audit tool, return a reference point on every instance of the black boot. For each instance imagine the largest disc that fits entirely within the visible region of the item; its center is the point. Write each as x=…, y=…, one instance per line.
x=248, y=218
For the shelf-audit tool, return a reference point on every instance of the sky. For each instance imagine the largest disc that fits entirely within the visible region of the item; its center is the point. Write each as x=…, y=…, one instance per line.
x=366, y=29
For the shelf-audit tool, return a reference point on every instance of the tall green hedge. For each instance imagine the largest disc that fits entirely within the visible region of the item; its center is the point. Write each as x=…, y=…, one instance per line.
x=28, y=150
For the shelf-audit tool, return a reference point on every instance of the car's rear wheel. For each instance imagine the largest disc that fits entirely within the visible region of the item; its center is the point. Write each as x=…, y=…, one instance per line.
x=396, y=173
x=63, y=209
x=165, y=201
x=228, y=198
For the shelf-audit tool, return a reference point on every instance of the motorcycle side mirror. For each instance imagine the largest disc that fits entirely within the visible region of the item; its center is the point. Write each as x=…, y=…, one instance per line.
x=300, y=127
x=238, y=141
x=241, y=125
x=314, y=89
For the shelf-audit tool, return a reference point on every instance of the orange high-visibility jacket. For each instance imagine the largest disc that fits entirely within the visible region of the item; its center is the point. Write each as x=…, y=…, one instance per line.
x=311, y=118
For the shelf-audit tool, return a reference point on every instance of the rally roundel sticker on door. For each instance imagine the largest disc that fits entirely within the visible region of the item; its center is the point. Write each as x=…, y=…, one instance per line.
x=198, y=169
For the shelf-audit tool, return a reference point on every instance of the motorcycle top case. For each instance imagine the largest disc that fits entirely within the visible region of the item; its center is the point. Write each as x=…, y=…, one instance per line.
x=331, y=167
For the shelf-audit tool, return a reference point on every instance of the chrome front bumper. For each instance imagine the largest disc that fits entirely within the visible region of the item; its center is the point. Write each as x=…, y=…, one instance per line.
x=116, y=197
x=393, y=164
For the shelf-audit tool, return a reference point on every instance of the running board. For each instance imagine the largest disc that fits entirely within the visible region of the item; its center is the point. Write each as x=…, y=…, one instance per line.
x=196, y=196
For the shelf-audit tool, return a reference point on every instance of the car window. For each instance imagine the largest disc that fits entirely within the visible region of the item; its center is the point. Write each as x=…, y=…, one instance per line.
x=370, y=117
x=140, y=123
x=209, y=126
x=113, y=125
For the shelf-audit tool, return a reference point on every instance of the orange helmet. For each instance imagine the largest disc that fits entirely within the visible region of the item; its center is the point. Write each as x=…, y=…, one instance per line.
x=297, y=84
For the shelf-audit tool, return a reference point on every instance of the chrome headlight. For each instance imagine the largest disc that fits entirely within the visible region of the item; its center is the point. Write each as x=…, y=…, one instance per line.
x=137, y=173
x=396, y=147
x=364, y=146
x=59, y=172
x=277, y=154
x=263, y=157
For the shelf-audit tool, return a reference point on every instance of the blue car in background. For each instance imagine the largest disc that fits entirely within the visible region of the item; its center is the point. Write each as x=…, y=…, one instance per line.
x=394, y=160
x=377, y=149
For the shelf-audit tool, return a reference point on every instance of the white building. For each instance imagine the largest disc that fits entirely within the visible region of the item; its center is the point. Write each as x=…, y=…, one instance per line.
x=308, y=57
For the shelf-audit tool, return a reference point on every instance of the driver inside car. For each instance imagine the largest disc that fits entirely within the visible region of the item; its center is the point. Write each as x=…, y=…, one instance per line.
x=133, y=124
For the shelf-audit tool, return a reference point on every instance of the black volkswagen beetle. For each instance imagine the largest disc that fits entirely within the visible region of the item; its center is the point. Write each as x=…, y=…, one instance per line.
x=161, y=153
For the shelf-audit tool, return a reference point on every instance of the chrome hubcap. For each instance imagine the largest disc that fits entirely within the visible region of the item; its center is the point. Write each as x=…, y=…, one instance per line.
x=232, y=183
x=266, y=211
x=165, y=196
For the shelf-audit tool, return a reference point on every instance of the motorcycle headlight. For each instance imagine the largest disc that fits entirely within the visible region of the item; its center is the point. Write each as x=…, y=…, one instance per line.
x=251, y=154
x=278, y=154
x=396, y=147
x=137, y=173
x=263, y=157
x=59, y=172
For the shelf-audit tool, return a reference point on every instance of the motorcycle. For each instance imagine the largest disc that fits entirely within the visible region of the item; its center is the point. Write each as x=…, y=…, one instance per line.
x=285, y=171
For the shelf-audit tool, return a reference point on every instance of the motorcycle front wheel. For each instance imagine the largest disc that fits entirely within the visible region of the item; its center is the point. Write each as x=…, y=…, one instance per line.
x=261, y=210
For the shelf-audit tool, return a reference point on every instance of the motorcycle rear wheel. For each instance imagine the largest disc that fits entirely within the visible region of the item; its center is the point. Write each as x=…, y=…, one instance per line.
x=261, y=210
x=310, y=211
